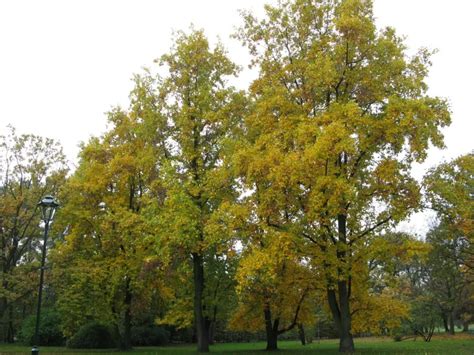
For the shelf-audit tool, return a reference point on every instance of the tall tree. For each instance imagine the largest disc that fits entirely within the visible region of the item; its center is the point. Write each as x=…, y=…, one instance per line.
x=108, y=202
x=340, y=115
x=30, y=167
x=202, y=112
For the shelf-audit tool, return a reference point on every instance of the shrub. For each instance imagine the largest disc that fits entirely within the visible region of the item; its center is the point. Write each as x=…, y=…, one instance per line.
x=398, y=337
x=149, y=335
x=49, y=331
x=92, y=335
x=183, y=335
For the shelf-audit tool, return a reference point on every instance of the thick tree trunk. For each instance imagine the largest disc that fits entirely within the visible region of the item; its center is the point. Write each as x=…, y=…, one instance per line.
x=342, y=317
x=340, y=307
x=202, y=324
x=271, y=330
x=272, y=341
x=346, y=343
x=451, y=323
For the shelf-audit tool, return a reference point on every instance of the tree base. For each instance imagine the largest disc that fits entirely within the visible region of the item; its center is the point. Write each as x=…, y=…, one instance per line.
x=346, y=345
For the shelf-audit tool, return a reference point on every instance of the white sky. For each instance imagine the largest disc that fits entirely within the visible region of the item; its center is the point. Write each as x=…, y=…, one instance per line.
x=63, y=64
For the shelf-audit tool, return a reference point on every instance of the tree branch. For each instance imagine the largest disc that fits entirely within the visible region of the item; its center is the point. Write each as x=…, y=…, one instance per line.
x=369, y=230
x=295, y=318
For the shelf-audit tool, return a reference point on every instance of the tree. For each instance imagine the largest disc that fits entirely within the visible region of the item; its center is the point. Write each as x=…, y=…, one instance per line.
x=382, y=282
x=376, y=305
x=340, y=113
x=424, y=317
x=276, y=288
x=449, y=190
x=30, y=167
x=448, y=281
x=109, y=200
x=202, y=112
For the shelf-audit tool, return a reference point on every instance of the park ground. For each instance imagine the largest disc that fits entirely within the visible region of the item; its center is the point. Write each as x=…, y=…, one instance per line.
x=459, y=344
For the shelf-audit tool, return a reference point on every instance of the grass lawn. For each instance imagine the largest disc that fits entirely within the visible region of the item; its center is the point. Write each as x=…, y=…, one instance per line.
x=460, y=344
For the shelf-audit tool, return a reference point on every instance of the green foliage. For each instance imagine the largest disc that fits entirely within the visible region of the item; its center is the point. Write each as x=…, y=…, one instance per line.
x=107, y=264
x=449, y=190
x=50, y=333
x=30, y=167
x=93, y=335
x=82, y=296
x=150, y=336
x=424, y=318
x=182, y=335
x=448, y=280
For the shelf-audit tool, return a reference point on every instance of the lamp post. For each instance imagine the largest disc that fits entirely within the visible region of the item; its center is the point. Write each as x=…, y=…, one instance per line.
x=48, y=207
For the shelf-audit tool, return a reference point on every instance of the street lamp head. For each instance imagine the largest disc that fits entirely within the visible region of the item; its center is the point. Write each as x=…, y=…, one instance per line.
x=48, y=207
x=102, y=206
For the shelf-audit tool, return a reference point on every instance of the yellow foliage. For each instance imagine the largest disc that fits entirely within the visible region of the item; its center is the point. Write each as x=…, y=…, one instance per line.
x=377, y=314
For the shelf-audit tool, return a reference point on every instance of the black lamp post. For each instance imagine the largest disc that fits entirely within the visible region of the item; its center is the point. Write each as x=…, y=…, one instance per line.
x=48, y=207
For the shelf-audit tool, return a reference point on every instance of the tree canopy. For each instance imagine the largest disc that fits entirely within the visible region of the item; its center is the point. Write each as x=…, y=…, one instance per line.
x=340, y=113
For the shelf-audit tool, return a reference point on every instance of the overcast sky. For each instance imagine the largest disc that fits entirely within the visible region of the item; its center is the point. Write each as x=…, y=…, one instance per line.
x=63, y=63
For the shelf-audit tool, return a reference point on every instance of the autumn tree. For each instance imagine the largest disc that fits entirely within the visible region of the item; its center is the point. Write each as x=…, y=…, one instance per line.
x=276, y=287
x=110, y=252
x=384, y=282
x=340, y=114
x=30, y=167
x=202, y=112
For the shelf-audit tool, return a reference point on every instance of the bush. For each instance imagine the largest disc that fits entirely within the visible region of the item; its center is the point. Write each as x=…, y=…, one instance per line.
x=149, y=336
x=92, y=335
x=49, y=332
x=183, y=335
x=398, y=337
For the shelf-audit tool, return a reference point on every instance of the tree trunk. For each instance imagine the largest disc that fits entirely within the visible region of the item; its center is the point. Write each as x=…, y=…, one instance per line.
x=3, y=308
x=212, y=332
x=202, y=324
x=346, y=342
x=3, y=303
x=465, y=326
x=271, y=330
x=126, y=341
x=301, y=334
x=272, y=341
x=11, y=331
x=340, y=307
x=451, y=323
x=445, y=322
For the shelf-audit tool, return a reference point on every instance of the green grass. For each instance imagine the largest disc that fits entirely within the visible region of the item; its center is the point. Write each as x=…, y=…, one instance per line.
x=451, y=346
